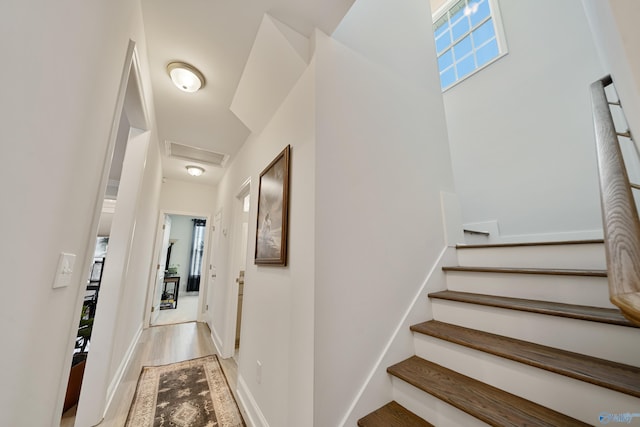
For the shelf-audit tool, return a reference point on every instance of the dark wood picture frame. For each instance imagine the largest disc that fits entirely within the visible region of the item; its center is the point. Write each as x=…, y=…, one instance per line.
x=273, y=212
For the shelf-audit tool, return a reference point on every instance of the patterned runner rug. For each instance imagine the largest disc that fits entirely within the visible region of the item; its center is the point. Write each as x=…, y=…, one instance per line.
x=193, y=393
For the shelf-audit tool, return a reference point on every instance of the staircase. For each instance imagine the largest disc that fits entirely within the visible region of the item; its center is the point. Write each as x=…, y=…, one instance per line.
x=524, y=335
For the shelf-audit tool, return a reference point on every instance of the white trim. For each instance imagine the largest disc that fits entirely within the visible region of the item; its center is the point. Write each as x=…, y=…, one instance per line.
x=203, y=291
x=99, y=361
x=200, y=317
x=401, y=326
x=211, y=262
x=217, y=342
x=117, y=378
x=500, y=36
x=93, y=399
x=97, y=211
x=451, y=218
x=153, y=276
x=229, y=344
x=474, y=72
x=245, y=188
x=255, y=417
x=501, y=39
x=138, y=101
x=550, y=237
x=495, y=235
x=185, y=213
x=444, y=8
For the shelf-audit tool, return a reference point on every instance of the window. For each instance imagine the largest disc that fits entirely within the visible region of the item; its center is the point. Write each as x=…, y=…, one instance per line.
x=468, y=36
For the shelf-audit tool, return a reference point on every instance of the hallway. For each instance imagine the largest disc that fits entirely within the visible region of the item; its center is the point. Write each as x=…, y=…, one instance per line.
x=160, y=345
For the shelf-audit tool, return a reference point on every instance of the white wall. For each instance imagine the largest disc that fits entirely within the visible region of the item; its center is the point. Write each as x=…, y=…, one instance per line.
x=142, y=263
x=277, y=324
x=187, y=197
x=130, y=313
x=57, y=113
x=614, y=25
x=382, y=160
x=274, y=59
x=521, y=133
x=358, y=253
x=181, y=233
x=106, y=218
x=120, y=309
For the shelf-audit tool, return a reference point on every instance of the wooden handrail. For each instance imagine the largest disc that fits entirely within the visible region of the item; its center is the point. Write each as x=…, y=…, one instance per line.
x=619, y=213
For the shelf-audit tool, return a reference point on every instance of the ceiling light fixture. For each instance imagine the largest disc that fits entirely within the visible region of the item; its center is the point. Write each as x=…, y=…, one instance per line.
x=186, y=77
x=195, y=170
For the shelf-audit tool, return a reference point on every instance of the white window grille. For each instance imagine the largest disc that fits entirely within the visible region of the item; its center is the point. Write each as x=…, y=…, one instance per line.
x=469, y=36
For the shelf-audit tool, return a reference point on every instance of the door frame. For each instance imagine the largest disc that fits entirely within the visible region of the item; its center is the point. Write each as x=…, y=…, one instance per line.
x=130, y=101
x=229, y=345
x=153, y=274
x=214, y=260
x=157, y=251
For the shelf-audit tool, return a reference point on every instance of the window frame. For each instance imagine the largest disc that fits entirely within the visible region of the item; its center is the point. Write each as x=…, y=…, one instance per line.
x=499, y=34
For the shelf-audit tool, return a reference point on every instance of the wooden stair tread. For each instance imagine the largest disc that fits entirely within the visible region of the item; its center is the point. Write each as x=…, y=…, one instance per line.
x=581, y=312
x=545, y=271
x=629, y=304
x=513, y=245
x=487, y=403
x=392, y=415
x=604, y=373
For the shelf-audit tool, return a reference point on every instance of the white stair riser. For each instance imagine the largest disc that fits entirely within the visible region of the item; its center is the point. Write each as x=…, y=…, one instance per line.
x=611, y=342
x=591, y=291
x=430, y=408
x=577, y=399
x=584, y=256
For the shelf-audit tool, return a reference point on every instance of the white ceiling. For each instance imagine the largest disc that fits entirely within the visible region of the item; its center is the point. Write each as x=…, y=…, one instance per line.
x=216, y=37
x=437, y=4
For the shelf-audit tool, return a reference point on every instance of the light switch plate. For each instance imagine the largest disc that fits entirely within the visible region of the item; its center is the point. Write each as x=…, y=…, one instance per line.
x=65, y=270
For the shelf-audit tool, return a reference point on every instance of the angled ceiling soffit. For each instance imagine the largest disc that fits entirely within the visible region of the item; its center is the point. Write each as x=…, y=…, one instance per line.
x=193, y=154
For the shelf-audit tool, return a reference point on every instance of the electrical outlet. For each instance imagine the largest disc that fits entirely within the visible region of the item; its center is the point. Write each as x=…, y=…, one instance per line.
x=258, y=372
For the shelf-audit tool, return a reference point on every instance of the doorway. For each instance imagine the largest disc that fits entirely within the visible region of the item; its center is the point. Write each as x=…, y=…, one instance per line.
x=114, y=217
x=243, y=205
x=181, y=281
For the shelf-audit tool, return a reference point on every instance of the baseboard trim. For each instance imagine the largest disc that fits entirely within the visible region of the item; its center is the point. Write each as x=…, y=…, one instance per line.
x=255, y=417
x=552, y=237
x=496, y=236
x=402, y=325
x=155, y=315
x=117, y=378
x=217, y=342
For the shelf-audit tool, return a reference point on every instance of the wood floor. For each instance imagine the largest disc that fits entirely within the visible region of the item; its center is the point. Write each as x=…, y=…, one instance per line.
x=187, y=311
x=160, y=345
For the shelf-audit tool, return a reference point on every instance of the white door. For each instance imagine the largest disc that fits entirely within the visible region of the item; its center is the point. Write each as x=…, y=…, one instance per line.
x=214, y=256
x=240, y=258
x=162, y=259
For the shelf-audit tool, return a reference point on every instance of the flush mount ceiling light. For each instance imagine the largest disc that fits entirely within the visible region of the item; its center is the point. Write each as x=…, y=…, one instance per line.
x=195, y=170
x=186, y=77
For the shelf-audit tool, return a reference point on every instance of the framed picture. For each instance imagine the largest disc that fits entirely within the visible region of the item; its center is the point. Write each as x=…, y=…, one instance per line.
x=273, y=203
